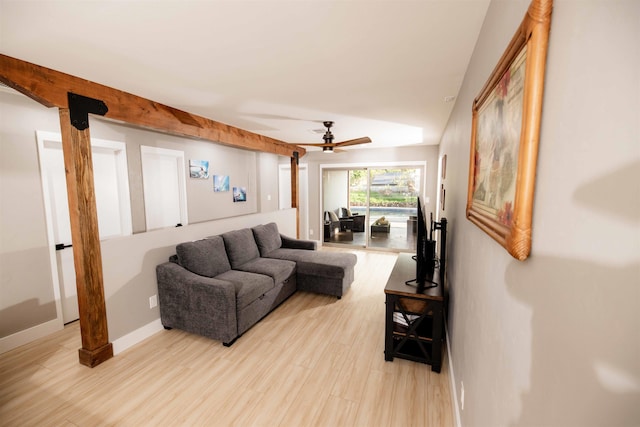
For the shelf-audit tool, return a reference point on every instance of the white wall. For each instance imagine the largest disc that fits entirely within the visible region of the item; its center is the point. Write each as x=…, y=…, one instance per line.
x=553, y=340
x=26, y=291
x=267, y=185
x=240, y=165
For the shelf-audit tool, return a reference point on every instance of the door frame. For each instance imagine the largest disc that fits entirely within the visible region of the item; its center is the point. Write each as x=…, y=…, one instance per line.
x=44, y=138
x=178, y=155
x=370, y=165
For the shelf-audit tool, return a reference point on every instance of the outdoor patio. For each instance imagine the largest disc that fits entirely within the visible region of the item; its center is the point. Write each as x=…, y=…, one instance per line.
x=397, y=238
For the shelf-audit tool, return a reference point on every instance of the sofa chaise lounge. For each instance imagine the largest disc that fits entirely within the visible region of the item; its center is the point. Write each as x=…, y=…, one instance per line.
x=220, y=286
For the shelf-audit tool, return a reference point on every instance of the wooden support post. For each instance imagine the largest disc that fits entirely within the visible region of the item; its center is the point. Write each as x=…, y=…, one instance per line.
x=76, y=147
x=295, y=196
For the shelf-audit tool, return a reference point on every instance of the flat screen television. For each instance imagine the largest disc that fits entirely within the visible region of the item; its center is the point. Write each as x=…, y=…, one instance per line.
x=425, y=251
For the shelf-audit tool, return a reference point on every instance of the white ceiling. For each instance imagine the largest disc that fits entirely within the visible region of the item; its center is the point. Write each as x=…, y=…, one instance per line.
x=279, y=68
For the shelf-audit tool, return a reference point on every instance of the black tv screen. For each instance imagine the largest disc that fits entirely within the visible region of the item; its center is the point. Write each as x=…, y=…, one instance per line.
x=425, y=247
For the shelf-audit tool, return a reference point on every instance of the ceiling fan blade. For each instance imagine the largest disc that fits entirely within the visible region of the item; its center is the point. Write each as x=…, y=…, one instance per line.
x=364, y=140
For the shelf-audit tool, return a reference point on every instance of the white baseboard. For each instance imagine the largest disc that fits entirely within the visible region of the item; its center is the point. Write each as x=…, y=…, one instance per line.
x=40, y=331
x=452, y=385
x=24, y=337
x=139, y=335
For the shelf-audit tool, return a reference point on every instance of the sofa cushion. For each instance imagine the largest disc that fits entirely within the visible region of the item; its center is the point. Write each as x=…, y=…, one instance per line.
x=330, y=216
x=241, y=246
x=206, y=257
x=248, y=286
x=291, y=243
x=267, y=237
x=317, y=263
x=278, y=269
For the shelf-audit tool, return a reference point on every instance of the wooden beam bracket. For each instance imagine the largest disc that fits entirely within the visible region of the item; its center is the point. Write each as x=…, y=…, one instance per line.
x=80, y=107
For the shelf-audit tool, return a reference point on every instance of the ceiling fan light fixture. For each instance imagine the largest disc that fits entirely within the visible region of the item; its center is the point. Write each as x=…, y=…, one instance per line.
x=328, y=150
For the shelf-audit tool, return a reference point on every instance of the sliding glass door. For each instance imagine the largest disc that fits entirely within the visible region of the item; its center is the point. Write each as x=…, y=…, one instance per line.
x=393, y=200
x=372, y=207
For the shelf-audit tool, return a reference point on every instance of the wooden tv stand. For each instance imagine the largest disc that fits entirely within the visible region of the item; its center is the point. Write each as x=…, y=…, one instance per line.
x=414, y=321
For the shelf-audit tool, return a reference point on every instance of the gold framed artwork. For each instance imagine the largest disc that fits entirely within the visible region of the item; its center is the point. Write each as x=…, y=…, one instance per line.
x=505, y=132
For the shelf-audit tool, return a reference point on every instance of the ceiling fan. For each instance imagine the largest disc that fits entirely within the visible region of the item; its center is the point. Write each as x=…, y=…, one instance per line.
x=328, y=146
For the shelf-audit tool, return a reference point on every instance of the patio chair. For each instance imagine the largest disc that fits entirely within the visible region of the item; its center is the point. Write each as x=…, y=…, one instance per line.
x=331, y=223
x=351, y=221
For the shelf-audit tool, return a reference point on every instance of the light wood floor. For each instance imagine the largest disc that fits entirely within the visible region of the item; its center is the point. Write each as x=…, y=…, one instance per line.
x=314, y=361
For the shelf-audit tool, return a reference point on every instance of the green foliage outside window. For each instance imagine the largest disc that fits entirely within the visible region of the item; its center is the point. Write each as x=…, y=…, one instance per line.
x=389, y=187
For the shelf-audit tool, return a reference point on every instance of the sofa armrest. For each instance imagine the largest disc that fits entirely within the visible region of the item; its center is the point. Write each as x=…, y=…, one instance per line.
x=197, y=304
x=291, y=243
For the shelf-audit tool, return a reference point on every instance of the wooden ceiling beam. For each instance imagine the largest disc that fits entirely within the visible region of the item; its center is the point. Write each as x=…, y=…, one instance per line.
x=50, y=88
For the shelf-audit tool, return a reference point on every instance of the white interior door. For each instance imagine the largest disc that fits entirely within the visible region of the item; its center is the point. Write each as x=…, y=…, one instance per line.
x=111, y=185
x=53, y=168
x=164, y=183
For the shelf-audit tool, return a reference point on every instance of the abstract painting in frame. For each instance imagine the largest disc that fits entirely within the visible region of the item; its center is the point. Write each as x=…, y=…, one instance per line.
x=504, y=136
x=220, y=183
x=239, y=194
x=199, y=169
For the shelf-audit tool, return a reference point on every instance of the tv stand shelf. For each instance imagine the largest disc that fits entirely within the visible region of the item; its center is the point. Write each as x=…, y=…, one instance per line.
x=414, y=319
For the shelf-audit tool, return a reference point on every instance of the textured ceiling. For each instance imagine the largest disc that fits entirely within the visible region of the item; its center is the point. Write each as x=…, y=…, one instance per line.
x=279, y=68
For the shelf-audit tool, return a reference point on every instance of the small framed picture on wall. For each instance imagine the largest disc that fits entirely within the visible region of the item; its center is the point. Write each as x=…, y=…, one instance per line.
x=239, y=194
x=220, y=183
x=199, y=169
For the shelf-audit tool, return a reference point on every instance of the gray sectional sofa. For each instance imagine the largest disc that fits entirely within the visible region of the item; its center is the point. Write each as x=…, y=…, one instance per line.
x=220, y=286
